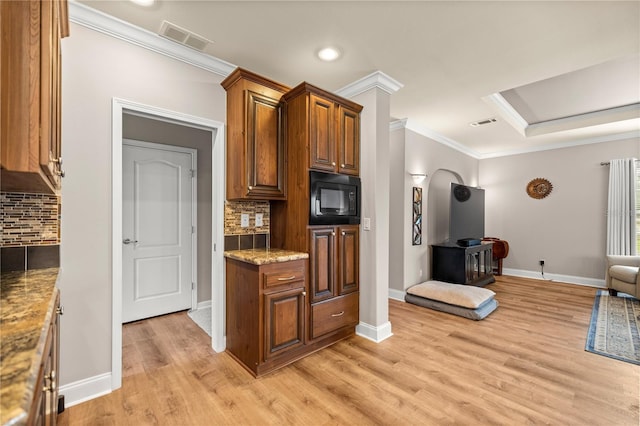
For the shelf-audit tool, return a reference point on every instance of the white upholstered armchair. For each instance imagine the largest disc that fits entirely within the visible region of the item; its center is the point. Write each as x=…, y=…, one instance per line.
x=622, y=275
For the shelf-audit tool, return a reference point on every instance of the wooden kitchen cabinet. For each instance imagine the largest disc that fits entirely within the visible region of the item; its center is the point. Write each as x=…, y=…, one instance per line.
x=256, y=148
x=334, y=259
x=44, y=409
x=30, y=101
x=330, y=130
x=266, y=313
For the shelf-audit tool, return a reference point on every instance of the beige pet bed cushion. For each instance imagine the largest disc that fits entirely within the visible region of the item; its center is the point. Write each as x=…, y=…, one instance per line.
x=454, y=294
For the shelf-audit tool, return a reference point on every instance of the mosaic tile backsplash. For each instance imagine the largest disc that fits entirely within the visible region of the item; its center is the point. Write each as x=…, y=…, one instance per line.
x=232, y=215
x=235, y=236
x=29, y=219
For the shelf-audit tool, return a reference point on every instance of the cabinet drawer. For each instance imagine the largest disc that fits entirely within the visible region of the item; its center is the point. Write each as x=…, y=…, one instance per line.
x=333, y=314
x=285, y=273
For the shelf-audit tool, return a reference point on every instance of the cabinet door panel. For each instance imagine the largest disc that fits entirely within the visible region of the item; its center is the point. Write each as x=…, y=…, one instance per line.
x=322, y=263
x=321, y=126
x=349, y=259
x=265, y=150
x=284, y=320
x=348, y=141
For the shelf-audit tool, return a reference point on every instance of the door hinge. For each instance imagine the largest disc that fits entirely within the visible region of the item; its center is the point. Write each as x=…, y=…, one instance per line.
x=214, y=247
x=193, y=229
x=193, y=286
x=193, y=173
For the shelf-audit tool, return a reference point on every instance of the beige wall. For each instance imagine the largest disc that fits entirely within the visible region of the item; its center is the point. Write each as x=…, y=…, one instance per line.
x=442, y=165
x=95, y=69
x=567, y=228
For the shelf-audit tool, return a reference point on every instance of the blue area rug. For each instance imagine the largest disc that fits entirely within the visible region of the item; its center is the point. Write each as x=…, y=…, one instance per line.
x=614, y=330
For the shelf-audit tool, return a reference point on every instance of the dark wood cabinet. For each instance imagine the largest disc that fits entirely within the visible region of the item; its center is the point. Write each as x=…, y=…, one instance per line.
x=266, y=313
x=349, y=255
x=334, y=259
x=322, y=263
x=45, y=403
x=30, y=154
x=328, y=125
x=255, y=147
x=348, y=140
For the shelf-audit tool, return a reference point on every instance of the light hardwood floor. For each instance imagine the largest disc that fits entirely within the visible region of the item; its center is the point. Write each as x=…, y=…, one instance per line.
x=524, y=364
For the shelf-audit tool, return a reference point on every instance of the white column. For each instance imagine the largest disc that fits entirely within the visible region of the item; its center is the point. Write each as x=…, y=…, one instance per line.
x=373, y=92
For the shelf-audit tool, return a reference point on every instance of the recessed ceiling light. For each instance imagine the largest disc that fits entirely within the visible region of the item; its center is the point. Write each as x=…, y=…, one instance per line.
x=143, y=2
x=329, y=54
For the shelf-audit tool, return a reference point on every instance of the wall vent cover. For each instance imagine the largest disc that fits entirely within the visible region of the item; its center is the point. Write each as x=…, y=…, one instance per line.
x=183, y=36
x=483, y=122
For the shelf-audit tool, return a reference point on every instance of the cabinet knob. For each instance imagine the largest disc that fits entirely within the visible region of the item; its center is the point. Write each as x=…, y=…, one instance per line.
x=333, y=234
x=304, y=293
x=344, y=233
x=333, y=163
x=250, y=187
x=342, y=165
x=60, y=310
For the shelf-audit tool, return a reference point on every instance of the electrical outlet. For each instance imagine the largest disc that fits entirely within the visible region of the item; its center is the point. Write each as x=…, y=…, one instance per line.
x=366, y=223
x=541, y=261
x=244, y=220
x=259, y=221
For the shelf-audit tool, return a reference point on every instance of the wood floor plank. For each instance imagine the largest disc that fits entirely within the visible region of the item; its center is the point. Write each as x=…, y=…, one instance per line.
x=524, y=364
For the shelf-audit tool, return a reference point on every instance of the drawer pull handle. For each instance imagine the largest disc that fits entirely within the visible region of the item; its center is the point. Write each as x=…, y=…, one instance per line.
x=339, y=314
x=286, y=278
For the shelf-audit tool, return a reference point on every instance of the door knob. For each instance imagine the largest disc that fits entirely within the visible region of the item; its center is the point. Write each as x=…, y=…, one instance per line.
x=128, y=241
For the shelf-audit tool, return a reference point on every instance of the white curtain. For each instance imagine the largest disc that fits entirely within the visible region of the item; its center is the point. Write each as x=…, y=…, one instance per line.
x=621, y=211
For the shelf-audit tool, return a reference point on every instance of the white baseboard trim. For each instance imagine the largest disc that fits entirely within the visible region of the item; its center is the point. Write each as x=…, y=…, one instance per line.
x=376, y=334
x=557, y=278
x=83, y=390
x=397, y=294
x=204, y=305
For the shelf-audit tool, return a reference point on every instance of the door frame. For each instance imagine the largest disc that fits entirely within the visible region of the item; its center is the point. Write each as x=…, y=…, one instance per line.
x=194, y=204
x=118, y=107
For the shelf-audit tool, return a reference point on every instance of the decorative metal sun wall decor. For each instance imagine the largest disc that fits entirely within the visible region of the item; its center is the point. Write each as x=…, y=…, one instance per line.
x=417, y=216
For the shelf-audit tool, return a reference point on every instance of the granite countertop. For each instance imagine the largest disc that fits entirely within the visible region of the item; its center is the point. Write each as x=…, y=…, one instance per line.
x=264, y=256
x=27, y=302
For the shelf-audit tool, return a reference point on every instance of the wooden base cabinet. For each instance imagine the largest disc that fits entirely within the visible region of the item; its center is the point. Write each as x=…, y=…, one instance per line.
x=266, y=313
x=45, y=404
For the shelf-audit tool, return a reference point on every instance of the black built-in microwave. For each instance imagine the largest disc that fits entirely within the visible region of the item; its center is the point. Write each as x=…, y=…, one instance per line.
x=335, y=199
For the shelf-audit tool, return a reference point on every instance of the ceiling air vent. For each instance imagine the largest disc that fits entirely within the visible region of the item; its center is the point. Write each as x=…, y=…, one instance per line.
x=482, y=122
x=182, y=36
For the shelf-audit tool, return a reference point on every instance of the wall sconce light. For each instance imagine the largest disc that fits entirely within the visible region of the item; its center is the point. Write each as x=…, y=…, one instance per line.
x=418, y=177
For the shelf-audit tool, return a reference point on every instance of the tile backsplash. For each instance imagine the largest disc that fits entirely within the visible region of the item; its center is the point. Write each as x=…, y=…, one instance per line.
x=252, y=236
x=30, y=227
x=29, y=219
x=232, y=215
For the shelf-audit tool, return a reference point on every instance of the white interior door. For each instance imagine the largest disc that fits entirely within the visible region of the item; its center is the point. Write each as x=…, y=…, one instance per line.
x=157, y=225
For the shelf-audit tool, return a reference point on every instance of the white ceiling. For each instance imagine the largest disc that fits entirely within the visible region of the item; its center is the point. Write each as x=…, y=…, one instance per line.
x=450, y=55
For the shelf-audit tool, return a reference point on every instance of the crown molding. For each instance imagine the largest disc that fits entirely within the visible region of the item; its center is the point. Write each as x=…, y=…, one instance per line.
x=431, y=134
x=397, y=124
x=114, y=27
x=376, y=79
x=587, y=141
x=506, y=111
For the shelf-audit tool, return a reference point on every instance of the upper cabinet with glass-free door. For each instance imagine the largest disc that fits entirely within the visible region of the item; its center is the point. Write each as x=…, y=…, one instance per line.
x=30, y=107
x=255, y=137
x=332, y=132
